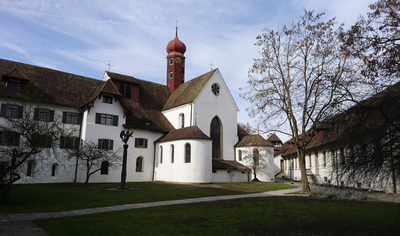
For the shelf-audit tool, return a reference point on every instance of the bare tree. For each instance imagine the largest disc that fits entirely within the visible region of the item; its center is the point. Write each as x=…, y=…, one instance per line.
x=29, y=138
x=255, y=161
x=230, y=172
x=302, y=78
x=375, y=40
x=97, y=157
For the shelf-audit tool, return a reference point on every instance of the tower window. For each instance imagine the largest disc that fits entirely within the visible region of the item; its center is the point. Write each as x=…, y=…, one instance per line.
x=183, y=62
x=171, y=60
x=128, y=92
x=171, y=74
x=122, y=90
x=183, y=77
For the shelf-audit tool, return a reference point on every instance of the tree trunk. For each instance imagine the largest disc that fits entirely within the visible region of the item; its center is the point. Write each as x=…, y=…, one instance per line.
x=305, y=188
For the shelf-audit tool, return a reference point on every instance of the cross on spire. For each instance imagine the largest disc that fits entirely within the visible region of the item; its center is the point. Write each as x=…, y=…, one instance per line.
x=176, y=27
x=211, y=64
x=109, y=65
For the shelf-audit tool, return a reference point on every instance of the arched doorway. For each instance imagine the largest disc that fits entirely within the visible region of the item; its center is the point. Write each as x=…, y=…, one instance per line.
x=216, y=136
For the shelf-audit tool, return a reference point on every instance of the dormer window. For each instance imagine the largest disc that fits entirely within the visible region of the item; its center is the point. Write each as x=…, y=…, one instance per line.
x=107, y=99
x=14, y=87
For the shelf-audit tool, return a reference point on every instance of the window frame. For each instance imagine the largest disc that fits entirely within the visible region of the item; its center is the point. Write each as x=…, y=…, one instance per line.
x=188, y=153
x=139, y=168
x=107, y=99
x=15, y=88
x=10, y=139
x=104, y=168
x=141, y=142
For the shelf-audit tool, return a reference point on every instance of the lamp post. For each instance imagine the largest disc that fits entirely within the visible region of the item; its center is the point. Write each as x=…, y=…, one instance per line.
x=125, y=137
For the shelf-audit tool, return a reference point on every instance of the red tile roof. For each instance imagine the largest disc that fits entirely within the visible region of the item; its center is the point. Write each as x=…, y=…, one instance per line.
x=188, y=91
x=223, y=165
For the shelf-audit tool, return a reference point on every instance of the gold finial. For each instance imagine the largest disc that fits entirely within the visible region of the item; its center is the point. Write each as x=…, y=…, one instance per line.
x=176, y=28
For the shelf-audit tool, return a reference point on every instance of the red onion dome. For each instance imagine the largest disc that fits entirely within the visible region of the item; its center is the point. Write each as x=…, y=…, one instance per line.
x=176, y=46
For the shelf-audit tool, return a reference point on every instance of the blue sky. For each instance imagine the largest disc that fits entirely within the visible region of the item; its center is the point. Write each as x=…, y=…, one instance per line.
x=79, y=36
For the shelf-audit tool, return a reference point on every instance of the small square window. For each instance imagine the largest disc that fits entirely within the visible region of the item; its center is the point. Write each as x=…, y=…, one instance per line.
x=14, y=87
x=106, y=119
x=107, y=99
x=44, y=115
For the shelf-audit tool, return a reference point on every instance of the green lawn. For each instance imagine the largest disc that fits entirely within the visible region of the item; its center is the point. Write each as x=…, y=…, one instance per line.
x=286, y=215
x=62, y=197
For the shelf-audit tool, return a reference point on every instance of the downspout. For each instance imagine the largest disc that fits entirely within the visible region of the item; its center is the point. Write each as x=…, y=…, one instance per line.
x=191, y=113
x=81, y=144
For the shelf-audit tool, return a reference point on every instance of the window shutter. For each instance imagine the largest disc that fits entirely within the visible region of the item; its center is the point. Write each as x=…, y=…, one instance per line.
x=49, y=139
x=1, y=138
x=20, y=111
x=99, y=144
x=76, y=143
x=36, y=114
x=51, y=118
x=62, y=142
x=115, y=120
x=3, y=109
x=16, y=139
x=64, y=118
x=145, y=143
x=98, y=118
x=111, y=144
x=136, y=142
x=79, y=119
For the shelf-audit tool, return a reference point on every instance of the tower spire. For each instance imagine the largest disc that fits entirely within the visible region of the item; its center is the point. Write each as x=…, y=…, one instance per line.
x=176, y=30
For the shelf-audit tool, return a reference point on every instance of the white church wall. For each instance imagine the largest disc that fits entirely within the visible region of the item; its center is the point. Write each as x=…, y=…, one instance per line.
x=207, y=106
x=42, y=171
x=221, y=176
x=266, y=172
x=199, y=170
x=173, y=115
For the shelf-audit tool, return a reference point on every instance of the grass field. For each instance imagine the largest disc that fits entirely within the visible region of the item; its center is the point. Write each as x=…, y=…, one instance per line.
x=253, y=216
x=62, y=197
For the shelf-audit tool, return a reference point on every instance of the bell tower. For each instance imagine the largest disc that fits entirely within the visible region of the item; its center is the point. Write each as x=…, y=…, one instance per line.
x=175, y=63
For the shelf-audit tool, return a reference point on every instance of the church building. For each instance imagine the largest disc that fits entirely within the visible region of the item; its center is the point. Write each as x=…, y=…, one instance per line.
x=183, y=131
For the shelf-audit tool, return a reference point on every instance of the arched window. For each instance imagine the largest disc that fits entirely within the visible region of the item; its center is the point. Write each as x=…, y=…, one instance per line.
x=181, y=120
x=104, y=168
x=171, y=60
x=171, y=74
x=187, y=153
x=240, y=155
x=161, y=153
x=256, y=156
x=139, y=164
x=215, y=131
x=172, y=153
x=54, y=169
x=122, y=90
x=128, y=92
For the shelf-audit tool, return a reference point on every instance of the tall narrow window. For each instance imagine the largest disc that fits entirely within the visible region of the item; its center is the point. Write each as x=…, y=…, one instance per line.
x=161, y=154
x=172, y=153
x=333, y=157
x=324, y=158
x=31, y=165
x=256, y=156
x=181, y=120
x=128, y=94
x=104, y=168
x=171, y=60
x=187, y=153
x=240, y=155
x=309, y=159
x=215, y=131
x=122, y=90
x=54, y=169
x=139, y=164
x=171, y=74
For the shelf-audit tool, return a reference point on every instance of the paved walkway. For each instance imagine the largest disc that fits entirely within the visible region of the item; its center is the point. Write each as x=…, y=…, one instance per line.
x=21, y=224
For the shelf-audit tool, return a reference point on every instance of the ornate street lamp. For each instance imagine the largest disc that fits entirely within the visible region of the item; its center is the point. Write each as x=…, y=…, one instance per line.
x=125, y=137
